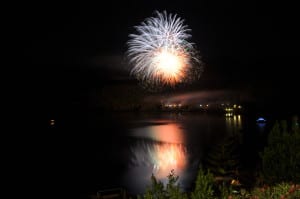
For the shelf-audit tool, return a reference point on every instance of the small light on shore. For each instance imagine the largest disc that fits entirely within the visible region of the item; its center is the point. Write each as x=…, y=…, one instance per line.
x=52, y=122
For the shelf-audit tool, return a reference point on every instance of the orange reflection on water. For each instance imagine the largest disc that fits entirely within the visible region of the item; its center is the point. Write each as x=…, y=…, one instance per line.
x=170, y=133
x=169, y=157
x=165, y=153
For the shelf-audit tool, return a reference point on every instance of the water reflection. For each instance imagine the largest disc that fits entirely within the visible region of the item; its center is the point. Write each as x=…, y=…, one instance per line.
x=157, y=146
x=261, y=127
x=168, y=157
x=161, y=131
x=157, y=150
x=160, y=157
x=234, y=123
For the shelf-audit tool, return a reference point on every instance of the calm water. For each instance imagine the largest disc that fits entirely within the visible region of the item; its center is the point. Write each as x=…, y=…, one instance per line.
x=124, y=149
x=155, y=144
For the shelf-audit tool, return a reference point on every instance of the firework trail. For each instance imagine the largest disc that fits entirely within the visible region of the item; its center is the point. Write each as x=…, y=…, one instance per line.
x=160, y=52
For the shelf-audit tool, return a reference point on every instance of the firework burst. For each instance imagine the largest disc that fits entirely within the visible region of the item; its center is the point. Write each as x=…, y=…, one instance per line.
x=160, y=52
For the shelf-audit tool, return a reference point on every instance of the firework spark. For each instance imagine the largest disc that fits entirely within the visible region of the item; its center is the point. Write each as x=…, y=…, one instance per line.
x=161, y=53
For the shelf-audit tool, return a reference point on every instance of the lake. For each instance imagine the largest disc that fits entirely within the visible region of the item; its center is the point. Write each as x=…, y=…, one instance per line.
x=106, y=151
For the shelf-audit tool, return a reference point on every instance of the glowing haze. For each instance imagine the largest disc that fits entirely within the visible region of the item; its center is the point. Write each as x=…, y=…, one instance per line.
x=160, y=52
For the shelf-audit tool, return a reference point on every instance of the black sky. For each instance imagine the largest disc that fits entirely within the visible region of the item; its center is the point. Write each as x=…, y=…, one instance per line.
x=72, y=47
x=64, y=51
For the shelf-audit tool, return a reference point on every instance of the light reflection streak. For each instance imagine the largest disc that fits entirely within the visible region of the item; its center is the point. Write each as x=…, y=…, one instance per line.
x=234, y=123
x=161, y=148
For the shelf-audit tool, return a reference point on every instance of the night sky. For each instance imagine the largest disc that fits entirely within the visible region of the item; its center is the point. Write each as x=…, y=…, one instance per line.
x=64, y=52
x=74, y=47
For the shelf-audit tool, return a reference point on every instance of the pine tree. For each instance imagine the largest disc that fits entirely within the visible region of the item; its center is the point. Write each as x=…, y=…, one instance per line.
x=281, y=157
x=223, y=158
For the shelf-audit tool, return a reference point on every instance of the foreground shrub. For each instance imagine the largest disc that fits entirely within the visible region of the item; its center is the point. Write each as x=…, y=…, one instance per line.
x=278, y=191
x=157, y=190
x=204, y=185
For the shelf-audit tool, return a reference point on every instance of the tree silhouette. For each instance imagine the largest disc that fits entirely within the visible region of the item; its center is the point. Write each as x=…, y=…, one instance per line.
x=281, y=157
x=222, y=159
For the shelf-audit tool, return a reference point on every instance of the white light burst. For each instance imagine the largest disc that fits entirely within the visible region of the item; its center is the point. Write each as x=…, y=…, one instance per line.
x=160, y=52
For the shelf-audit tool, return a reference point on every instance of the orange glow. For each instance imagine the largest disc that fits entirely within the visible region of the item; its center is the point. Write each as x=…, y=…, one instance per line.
x=170, y=66
x=171, y=154
x=170, y=133
x=168, y=157
x=167, y=152
x=169, y=63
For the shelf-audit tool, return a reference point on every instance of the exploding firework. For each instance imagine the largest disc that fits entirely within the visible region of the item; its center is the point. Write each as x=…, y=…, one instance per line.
x=161, y=54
